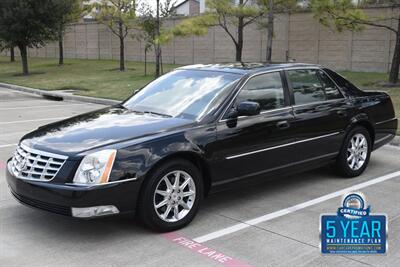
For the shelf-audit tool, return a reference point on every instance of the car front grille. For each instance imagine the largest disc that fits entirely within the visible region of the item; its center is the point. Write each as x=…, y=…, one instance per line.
x=32, y=164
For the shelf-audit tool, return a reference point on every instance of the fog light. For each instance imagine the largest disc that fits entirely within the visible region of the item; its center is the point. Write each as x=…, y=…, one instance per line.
x=94, y=211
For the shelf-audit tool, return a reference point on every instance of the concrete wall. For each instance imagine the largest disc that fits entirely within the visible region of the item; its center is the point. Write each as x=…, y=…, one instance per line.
x=297, y=36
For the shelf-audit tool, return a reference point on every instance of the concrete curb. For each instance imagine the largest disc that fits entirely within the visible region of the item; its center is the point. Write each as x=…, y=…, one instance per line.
x=64, y=96
x=102, y=101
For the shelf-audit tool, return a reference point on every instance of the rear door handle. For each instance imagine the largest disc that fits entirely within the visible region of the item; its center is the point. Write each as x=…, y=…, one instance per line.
x=283, y=125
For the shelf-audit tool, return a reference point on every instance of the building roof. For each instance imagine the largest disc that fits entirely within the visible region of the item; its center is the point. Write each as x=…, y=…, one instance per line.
x=245, y=68
x=182, y=2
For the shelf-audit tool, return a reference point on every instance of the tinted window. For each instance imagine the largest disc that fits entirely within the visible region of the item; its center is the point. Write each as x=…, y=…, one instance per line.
x=265, y=89
x=343, y=83
x=184, y=93
x=312, y=86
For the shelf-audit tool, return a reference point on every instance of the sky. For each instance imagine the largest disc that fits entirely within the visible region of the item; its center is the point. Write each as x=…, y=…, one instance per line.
x=153, y=2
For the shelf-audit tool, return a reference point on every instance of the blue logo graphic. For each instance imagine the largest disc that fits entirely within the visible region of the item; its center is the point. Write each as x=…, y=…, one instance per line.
x=353, y=230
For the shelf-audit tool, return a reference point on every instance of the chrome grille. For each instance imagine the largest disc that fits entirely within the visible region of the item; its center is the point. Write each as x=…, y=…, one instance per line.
x=32, y=164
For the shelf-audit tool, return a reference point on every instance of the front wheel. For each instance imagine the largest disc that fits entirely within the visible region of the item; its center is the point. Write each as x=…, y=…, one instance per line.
x=355, y=153
x=171, y=196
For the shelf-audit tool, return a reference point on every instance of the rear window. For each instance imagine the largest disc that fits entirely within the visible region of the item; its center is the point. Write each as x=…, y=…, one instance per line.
x=312, y=85
x=347, y=86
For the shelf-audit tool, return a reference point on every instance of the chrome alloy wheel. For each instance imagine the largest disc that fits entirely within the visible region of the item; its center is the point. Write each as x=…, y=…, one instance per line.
x=357, y=151
x=174, y=196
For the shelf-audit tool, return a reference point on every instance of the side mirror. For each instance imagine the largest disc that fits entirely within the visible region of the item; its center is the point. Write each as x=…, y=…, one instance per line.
x=248, y=108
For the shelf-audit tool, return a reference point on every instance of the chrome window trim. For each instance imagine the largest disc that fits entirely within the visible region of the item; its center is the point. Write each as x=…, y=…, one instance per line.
x=319, y=102
x=290, y=106
x=324, y=101
x=262, y=113
x=240, y=89
x=280, y=146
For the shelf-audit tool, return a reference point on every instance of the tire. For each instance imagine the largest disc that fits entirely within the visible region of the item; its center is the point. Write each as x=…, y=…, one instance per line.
x=353, y=159
x=170, y=196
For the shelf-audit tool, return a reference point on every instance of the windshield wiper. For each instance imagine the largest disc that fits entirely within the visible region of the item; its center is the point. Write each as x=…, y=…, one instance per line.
x=157, y=113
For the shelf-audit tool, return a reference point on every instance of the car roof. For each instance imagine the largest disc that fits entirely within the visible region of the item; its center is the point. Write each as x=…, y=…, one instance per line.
x=245, y=68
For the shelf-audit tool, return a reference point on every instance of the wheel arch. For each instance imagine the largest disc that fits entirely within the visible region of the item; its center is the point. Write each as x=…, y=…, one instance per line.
x=363, y=120
x=193, y=158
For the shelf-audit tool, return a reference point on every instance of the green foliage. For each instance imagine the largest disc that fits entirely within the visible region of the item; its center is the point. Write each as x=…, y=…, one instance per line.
x=223, y=13
x=278, y=6
x=195, y=26
x=147, y=24
x=68, y=11
x=116, y=14
x=339, y=14
x=28, y=23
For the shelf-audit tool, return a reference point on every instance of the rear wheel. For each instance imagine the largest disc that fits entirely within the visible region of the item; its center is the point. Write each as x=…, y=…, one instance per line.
x=355, y=153
x=171, y=197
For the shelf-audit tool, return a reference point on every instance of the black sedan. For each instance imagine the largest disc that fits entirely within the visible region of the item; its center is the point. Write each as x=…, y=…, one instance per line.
x=196, y=130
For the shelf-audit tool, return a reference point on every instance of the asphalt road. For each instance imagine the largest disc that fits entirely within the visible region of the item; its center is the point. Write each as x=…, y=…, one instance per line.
x=246, y=226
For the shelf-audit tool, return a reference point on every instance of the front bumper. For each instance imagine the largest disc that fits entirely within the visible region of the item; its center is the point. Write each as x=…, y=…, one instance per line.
x=61, y=198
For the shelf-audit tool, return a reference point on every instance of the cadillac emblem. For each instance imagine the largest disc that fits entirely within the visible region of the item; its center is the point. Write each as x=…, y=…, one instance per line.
x=21, y=165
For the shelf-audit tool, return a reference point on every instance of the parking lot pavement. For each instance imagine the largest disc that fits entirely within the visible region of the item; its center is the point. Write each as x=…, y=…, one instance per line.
x=274, y=223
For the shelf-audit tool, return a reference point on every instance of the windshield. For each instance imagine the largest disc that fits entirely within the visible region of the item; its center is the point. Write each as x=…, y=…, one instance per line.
x=188, y=94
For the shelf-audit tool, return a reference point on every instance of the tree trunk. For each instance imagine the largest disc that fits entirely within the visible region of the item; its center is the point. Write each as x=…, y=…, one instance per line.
x=239, y=44
x=270, y=30
x=394, y=71
x=60, y=48
x=161, y=63
x=12, y=54
x=158, y=44
x=24, y=59
x=121, y=48
x=145, y=62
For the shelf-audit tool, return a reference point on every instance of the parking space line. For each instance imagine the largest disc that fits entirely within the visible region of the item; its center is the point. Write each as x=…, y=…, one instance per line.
x=47, y=106
x=8, y=145
x=46, y=119
x=279, y=213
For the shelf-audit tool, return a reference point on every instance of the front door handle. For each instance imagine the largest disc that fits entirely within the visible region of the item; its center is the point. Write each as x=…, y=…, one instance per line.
x=283, y=125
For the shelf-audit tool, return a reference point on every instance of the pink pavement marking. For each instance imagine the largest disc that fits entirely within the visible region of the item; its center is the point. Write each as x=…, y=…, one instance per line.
x=204, y=250
x=2, y=165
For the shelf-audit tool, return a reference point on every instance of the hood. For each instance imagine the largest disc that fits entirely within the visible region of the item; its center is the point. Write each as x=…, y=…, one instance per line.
x=99, y=128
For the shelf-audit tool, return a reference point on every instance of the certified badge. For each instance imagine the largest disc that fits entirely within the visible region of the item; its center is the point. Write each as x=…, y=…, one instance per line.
x=353, y=230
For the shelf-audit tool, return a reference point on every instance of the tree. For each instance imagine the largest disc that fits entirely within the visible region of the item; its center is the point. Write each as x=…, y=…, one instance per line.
x=12, y=54
x=27, y=24
x=272, y=7
x=68, y=12
x=344, y=15
x=151, y=31
x=4, y=45
x=118, y=16
x=231, y=17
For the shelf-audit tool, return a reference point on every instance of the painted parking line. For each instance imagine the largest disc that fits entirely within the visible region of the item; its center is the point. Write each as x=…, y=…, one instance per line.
x=204, y=251
x=47, y=106
x=279, y=213
x=46, y=119
x=8, y=145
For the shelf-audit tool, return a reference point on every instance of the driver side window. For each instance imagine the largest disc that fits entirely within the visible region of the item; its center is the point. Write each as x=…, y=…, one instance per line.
x=265, y=89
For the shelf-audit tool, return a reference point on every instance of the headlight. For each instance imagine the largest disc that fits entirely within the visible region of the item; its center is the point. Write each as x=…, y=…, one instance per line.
x=95, y=168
